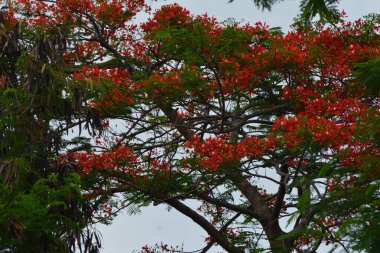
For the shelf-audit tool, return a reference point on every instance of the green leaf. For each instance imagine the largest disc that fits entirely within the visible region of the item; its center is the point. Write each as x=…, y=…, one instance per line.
x=325, y=168
x=326, y=9
x=369, y=73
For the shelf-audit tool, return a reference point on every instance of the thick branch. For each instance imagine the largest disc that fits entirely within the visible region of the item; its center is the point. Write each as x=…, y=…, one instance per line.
x=201, y=221
x=263, y=213
x=176, y=121
x=259, y=207
x=281, y=191
x=222, y=229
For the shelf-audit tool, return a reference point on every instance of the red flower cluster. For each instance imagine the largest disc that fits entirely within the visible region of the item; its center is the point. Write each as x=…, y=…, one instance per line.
x=120, y=158
x=114, y=12
x=213, y=153
x=168, y=15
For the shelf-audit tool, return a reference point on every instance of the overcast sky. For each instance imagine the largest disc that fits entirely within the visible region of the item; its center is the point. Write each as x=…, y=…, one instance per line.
x=156, y=224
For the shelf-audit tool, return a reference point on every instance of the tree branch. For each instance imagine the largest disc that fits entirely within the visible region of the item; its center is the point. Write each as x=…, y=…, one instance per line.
x=281, y=191
x=201, y=221
x=222, y=229
x=176, y=121
x=226, y=205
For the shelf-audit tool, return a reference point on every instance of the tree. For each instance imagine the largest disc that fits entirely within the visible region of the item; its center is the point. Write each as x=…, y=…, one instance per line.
x=41, y=205
x=264, y=129
x=325, y=9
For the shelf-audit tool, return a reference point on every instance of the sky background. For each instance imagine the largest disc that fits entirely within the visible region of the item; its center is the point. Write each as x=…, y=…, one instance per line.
x=155, y=224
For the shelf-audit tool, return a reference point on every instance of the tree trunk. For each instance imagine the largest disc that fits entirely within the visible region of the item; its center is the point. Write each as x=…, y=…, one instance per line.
x=278, y=244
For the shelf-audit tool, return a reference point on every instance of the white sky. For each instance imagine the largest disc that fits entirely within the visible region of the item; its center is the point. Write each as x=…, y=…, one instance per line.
x=156, y=224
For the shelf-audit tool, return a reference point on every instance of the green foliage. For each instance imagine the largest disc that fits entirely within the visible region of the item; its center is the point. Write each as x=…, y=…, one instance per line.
x=41, y=207
x=265, y=4
x=26, y=217
x=363, y=228
x=326, y=9
x=369, y=74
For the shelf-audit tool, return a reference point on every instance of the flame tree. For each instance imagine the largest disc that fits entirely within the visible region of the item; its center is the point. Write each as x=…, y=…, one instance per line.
x=275, y=135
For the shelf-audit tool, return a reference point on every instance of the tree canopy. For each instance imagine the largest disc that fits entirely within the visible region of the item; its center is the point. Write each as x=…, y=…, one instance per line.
x=274, y=134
